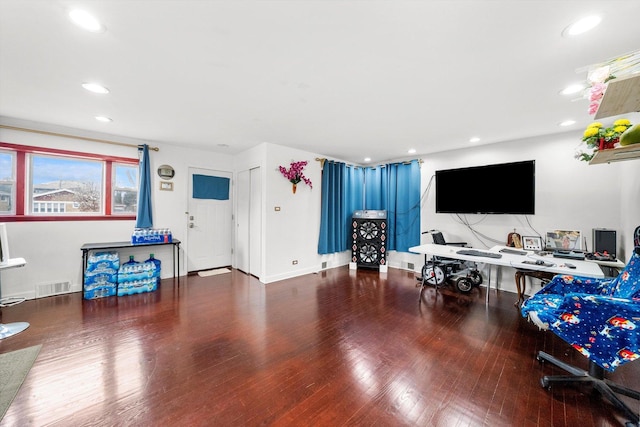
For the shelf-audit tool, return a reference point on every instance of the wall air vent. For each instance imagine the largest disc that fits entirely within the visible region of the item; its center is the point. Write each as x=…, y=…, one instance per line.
x=49, y=289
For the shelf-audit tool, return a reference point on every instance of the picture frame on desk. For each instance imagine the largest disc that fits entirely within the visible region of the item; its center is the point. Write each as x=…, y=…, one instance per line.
x=532, y=243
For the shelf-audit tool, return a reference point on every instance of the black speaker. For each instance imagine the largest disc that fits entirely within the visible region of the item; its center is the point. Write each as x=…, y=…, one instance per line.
x=369, y=236
x=605, y=241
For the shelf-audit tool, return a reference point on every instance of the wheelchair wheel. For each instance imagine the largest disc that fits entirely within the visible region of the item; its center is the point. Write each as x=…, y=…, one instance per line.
x=464, y=285
x=475, y=277
x=433, y=274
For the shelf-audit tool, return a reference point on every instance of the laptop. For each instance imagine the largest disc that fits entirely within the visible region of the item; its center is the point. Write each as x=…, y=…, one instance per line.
x=563, y=240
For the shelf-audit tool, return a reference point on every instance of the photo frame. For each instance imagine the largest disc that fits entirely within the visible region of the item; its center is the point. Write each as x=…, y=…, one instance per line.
x=563, y=240
x=532, y=243
x=166, y=186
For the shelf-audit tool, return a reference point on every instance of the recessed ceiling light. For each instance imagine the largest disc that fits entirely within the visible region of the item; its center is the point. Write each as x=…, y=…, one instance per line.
x=85, y=20
x=474, y=139
x=568, y=123
x=103, y=119
x=95, y=88
x=367, y=159
x=412, y=151
x=582, y=26
x=570, y=90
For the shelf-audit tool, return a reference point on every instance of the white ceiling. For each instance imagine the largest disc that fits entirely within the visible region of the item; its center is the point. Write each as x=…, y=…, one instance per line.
x=346, y=79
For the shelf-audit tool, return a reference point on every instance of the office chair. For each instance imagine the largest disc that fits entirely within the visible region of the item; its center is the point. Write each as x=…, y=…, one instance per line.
x=601, y=319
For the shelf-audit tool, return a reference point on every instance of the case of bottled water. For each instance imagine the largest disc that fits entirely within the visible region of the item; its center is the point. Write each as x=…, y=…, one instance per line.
x=137, y=277
x=144, y=236
x=101, y=276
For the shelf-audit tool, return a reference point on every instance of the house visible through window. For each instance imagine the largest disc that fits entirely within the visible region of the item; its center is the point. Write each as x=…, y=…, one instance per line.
x=59, y=181
x=37, y=182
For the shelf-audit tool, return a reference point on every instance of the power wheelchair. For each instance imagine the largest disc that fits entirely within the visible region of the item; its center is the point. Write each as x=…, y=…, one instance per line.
x=439, y=270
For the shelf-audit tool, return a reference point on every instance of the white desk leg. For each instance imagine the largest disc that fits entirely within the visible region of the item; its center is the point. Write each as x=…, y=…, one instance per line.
x=488, y=286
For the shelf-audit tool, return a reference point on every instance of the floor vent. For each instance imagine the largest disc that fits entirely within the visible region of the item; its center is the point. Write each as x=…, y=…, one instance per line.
x=49, y=289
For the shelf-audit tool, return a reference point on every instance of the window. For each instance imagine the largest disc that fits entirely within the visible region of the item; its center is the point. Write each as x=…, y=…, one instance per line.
x=48, y=207
x=57, y=181
x=7, y=182
x=38, y=184
x=125, y=188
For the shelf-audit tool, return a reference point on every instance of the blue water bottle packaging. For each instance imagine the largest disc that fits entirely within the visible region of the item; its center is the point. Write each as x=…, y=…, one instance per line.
x=157, y=263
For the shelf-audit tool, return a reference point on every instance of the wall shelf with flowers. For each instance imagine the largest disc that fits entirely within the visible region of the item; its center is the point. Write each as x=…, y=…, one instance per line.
x=622, y=96
x=294, y=174
x=614, y=86
x=615, y=90
x=617, y=154
x=597, y=139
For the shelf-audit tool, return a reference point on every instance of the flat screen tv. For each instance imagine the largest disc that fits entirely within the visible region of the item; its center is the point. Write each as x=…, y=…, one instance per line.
x=505, y=188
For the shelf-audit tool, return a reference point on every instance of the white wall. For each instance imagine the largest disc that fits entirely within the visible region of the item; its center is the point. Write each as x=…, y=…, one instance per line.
x=291, y=234
x=52, y=249
x=570, y=194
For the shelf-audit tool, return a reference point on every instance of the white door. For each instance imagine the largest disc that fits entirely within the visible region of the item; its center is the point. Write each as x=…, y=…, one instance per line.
x=243, y=188
x=255, y=224
x=249, y=222
x=209, y=227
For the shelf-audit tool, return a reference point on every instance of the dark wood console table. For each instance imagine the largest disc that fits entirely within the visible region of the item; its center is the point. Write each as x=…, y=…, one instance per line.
x=521, y=281
x=88, y=247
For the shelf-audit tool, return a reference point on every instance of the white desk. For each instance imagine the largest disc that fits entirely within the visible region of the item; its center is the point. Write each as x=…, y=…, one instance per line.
x=554, y=265
x=612, y=268
x=9, y=329
x=611, y=264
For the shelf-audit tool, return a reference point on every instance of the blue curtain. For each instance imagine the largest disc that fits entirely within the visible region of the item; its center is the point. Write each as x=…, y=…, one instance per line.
x=392, y=187
x=144, y=218
x=395, y=187
x=375, y=183
x=403, y=205
x=342, y=193
x=354, y=199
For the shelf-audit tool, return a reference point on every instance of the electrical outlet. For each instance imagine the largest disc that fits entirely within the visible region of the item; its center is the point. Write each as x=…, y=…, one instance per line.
x=294, y=262
x=276, y=208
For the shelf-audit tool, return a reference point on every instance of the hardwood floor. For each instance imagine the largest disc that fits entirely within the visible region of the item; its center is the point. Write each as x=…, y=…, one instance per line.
x=335, y=348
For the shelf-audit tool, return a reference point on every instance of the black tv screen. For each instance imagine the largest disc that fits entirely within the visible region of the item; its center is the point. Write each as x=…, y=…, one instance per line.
x=505, y=188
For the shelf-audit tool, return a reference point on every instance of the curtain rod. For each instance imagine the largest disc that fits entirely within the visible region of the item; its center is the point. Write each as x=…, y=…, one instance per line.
x=322, y=160
x=104, y=141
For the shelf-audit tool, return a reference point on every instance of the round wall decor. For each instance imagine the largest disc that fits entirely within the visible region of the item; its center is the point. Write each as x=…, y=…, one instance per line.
x=166, y=172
